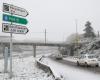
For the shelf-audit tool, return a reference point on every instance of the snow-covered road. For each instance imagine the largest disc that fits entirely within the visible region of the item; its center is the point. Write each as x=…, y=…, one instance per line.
x=72, y=73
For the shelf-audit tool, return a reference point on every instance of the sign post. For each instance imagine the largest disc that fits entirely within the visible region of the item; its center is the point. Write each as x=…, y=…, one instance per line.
x=11, y=55
x=11, y=28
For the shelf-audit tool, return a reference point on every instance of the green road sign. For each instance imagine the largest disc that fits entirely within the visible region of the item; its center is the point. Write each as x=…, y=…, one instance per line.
x=14, y=19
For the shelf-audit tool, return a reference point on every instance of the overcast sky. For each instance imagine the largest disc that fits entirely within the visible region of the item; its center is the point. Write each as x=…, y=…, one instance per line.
x=56, y=16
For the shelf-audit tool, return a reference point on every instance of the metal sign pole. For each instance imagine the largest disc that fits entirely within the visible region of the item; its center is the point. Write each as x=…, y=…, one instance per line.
x=11, y=53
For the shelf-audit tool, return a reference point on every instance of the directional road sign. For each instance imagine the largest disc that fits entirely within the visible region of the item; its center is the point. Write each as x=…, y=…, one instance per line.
x=8, y=8
x=12, y=28
x=10, y=18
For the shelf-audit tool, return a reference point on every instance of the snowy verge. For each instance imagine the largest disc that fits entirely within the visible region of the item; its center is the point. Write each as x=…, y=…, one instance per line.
x=24, y=69
x=44, y=64
x=71, y=59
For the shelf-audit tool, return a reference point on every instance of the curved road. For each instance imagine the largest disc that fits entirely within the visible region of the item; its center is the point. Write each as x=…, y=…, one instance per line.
x=72, y=72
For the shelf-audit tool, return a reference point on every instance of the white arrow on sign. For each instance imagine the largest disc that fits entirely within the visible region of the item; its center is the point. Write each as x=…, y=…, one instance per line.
x=8, y=8
x=12, y=28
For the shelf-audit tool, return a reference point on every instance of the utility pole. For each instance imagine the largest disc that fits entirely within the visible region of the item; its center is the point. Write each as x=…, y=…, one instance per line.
x=45, y=36
x=76, y=37
x=76, y=30
x=98, y=34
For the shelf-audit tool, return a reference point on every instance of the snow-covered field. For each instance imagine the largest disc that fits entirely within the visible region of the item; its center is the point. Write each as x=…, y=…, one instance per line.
x=24, y=69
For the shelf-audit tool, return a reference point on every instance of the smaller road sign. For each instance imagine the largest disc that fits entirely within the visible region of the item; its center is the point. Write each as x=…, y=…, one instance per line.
x=10, y=18
x=12, y=28
x=8, y=8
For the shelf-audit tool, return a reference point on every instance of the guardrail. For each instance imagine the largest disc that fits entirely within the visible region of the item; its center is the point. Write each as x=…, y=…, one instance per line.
x=46, y=67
